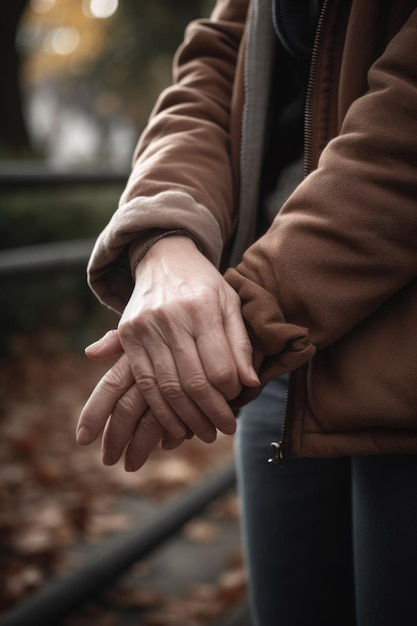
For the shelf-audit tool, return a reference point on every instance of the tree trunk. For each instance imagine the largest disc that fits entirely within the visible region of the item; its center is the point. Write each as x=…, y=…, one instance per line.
x=13, y=133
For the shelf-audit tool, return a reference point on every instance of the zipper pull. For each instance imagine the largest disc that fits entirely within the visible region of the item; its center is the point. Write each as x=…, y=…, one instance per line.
x=278, y=458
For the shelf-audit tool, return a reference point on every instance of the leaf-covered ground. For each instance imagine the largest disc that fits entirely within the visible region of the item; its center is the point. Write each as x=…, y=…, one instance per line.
x=56, y=496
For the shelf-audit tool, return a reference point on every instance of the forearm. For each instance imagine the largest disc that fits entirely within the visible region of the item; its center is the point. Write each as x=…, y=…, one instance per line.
x=182, y=174
x=344, y=243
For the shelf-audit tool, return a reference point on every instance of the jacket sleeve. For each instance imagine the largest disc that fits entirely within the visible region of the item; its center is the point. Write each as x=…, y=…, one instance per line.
x=181, y=176
x=345, y=241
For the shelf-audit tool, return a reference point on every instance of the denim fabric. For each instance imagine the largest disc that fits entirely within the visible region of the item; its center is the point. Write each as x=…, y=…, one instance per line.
x=298, y=522
x=384, y=490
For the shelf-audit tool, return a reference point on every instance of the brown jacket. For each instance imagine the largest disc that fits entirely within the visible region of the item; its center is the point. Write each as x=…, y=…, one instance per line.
x=330, y=291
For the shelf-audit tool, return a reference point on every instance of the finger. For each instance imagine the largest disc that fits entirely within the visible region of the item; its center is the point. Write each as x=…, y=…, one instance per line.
x=218, y=361
x=193, y=385
x=224, y=346
x=240, y=346
x=180, y=372
x=122, y=424
x=102, y=401
x=169, y=443
x=162, y=390
x=205, y=349
x=145, y=439
x=105, y=348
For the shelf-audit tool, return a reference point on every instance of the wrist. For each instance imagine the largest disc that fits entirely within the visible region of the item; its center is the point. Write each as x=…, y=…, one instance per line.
x=137, y=255
x=175, y=245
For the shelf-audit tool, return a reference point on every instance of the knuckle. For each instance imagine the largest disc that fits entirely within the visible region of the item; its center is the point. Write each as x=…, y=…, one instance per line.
x=150, y=425
x=131, y=329
x=171, y=390
x=223, y=377
x=196, y=386
x=146, y=382
x=161, y=315
x=197, y=302
x=125, y=408
x=125, y=329
x=113, y=381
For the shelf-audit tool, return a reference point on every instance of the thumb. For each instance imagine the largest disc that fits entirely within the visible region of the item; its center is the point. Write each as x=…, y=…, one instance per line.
x=105, y=348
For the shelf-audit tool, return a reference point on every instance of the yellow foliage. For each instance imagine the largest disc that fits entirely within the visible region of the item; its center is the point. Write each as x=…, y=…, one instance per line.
x=64, y=38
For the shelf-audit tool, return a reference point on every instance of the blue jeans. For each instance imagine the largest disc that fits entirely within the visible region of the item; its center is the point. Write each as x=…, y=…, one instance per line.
x=327, y=541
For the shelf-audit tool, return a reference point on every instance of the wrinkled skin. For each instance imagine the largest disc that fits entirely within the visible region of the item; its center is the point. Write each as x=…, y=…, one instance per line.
x=184, y=354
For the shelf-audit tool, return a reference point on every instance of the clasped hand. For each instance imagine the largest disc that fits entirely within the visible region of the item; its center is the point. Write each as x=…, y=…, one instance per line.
x=184, y=354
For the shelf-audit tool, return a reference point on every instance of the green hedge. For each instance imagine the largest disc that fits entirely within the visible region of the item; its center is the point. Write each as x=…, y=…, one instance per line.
x=29, y=217
x=53, y=304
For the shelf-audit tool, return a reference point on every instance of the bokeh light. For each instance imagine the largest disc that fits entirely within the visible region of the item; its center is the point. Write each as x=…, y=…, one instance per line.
x=62, y=41
x=101, y=9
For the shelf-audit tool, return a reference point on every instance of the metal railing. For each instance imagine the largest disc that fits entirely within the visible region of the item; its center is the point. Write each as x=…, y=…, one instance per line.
x=112, y=558
x=57, y=255
x=35, y=174
x=46, y=257
x=115, y=556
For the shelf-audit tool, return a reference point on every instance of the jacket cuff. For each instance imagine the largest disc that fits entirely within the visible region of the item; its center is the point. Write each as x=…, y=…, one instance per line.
x=140, y=246
x=279, y=347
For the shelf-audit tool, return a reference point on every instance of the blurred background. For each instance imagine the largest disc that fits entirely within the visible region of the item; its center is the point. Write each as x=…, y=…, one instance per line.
x=79, y=78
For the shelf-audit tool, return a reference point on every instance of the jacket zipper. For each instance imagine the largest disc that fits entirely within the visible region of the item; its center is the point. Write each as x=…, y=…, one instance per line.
x=279, y=446
x=308, y=118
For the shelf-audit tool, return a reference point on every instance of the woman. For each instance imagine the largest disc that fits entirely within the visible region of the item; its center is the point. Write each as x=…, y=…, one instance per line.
x=325, y=272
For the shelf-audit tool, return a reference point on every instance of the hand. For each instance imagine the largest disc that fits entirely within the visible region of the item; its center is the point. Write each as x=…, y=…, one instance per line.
x=214, y=333
x=185, y=340
x=131, y=424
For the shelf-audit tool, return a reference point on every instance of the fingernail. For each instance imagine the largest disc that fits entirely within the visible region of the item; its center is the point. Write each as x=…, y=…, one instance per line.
x=95, y=344
x=83, y=436
x=254, y=375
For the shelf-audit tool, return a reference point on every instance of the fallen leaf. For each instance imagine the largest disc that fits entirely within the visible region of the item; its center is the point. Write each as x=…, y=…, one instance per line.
x=201, y=531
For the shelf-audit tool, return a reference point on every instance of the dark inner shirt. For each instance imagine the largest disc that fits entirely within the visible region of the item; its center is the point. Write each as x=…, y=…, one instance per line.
x=295, y=22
